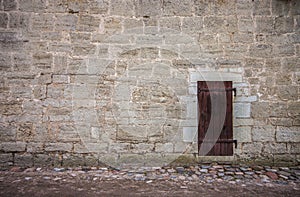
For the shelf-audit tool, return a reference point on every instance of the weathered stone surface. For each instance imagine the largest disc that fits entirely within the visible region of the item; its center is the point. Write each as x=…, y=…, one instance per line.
x=9, y=5
x=262, y=8
x=32, y=5
x=263, y=134
x=275, y=148
x=23, y=160
x=122, y=8
x=64, y=147
x=72, y=160
x=287, y=134
x=290, y=93
x=91, y=148
x=6, y=159
x=45, y=160
x=214, y=24
x=66, y=22
x=35, y=147
x=13, y=146
x=169, y=24
x=3, y=20
x=252, y=149
x=147, y=8
x=243, y=134
x=177, y=8
x=110, y=78
x=7, y=132
x=260, y=110
x=242, y=110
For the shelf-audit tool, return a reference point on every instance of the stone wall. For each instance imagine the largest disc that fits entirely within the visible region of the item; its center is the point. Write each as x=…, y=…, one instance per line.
x=86, y=82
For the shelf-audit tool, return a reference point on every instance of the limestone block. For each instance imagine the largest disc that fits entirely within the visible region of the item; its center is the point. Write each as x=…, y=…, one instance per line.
x=6, y=159
x=3, y=20
x=23, y=160
x=278, y=109
x=164, y=147
x=131, y=133
x=225, y=8
x=32, y=5
x=66, y=22
x=73, y=160
x=281, y=121
x=127, y=160
x=10, y=108
x=275, y=148
x=44, y=160
x=141, y=148
x=98, y=7
x=84, y=49
x=87, y=147
x=295, y=5
x=88, y=23
x=181, y=147
x=253, y=148
x=284, y=159
x=42, y=59
x=122, y=8
x=243, y=38
x=9, y=5
x=244, y=7
x=260, y=50
x=202, y=7
x=260, y=110
x=64, y=147
x=25, y=132
x=150, y=53
x=13, y=146
x=263, y=133
x=245, y=99
x=288, y=134
x=287, y=92
x=169, y=24
x=177, y=7
x=215, y=76
x=133, y=26
x=112, y=25
x=148, y=8
x=42, y=22
x=192, y=24
x=284, y=50
x=291, y=64
x=7, y=132
x=214, y=24
x=149, y=39
x=119, y=147
x=178, y=39
x=241, y=110
x=295, y=148
x=190, y=134
x=60, y=79
x=262, y=8
x=284, y=24
x=280, y=8
x=242, y=134
x=33, y=147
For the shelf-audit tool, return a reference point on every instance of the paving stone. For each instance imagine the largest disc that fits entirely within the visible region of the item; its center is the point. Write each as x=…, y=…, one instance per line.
x=272, y=175
x=284, y=173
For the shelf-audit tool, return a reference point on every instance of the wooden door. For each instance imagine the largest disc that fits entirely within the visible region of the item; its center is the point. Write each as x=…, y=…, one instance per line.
x=215, y=118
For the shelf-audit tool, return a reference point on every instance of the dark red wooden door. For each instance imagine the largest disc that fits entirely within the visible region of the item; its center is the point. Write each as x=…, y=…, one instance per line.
x=215, y=135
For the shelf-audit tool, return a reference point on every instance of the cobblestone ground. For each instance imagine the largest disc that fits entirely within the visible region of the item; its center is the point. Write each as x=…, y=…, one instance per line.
x=204, y=180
